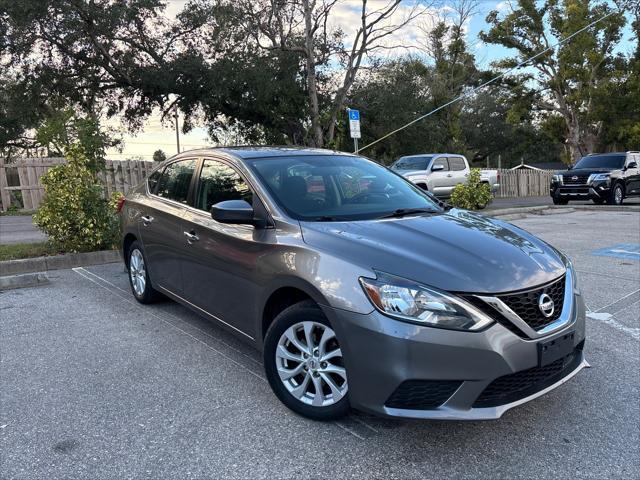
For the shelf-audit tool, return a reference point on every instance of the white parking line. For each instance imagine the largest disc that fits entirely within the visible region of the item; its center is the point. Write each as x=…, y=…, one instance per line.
x=83, y=273
x=619, y=300
x=610, y=320
x=77, y=269
x=87, y=275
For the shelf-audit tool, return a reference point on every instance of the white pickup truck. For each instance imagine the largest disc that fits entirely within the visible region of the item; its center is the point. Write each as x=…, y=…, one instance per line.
x=439, y=173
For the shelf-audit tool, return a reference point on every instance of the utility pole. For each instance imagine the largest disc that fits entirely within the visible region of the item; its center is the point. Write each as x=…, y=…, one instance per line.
x=175, y=115
x=499, y=162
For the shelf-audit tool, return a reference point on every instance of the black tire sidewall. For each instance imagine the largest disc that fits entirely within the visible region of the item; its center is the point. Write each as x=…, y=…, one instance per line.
x=305, y=311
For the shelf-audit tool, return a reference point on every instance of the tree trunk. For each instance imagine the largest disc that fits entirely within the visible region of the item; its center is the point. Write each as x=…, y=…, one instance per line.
x=312, y=84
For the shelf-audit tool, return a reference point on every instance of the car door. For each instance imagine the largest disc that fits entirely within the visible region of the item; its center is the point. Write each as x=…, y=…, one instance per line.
x=457, y=174
x=632, y=175
x=161, y=222
x=220, y=276
x=438, y=179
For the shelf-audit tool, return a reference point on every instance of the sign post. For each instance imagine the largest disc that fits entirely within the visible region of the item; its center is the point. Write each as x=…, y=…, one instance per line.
x=354, y=127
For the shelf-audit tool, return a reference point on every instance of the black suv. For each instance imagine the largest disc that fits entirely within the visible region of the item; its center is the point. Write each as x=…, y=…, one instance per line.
x=601, y=177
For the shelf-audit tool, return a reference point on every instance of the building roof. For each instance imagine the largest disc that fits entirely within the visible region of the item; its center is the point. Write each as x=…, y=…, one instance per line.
x=541, y=166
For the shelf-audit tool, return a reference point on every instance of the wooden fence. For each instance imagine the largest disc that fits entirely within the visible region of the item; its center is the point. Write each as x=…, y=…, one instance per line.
x=524, y=183
x=23, y=176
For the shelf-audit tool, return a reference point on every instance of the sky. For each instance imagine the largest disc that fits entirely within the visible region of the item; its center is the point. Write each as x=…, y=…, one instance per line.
x=156, y=135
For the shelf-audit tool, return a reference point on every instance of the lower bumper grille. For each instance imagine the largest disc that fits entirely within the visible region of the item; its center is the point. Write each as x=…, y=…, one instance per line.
x=422, y=394
x=516, y=386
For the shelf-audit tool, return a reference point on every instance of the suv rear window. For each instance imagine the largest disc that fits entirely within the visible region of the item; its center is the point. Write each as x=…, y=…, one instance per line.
x=175, y=180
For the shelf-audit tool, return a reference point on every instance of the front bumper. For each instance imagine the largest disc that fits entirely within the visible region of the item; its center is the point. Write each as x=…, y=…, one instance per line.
x=381, y=354
x=595, y=191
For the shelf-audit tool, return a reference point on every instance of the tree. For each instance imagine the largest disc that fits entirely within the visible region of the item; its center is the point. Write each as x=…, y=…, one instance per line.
x=159, y=156
x=571, y=77
x=302, y=27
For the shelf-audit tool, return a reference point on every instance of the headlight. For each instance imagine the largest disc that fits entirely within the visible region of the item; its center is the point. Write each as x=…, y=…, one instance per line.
x=412, y=302
x=598, y=177
x=569, y=266
x=557, y=179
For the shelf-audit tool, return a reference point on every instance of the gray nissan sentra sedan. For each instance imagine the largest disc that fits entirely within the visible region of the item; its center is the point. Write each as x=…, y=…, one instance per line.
x=360, y=289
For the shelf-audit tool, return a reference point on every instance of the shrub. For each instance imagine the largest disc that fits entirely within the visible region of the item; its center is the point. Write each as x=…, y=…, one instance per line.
x=74, y=212
x=472, y=195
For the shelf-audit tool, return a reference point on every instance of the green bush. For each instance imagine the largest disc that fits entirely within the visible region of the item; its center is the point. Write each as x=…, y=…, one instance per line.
x=472, y=195
x=74, y=212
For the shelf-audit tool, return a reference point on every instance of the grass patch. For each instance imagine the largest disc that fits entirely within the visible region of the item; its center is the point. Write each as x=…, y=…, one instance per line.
x=27, y=250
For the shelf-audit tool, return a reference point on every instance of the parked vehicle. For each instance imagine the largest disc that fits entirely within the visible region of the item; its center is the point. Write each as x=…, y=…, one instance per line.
x=439, y=173
x=602, y=177
x=360, y=290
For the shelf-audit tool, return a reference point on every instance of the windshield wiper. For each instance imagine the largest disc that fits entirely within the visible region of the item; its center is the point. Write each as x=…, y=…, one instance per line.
x=401, y=212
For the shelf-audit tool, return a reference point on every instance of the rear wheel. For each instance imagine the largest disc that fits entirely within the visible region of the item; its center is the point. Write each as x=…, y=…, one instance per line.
x=139, y=276
x=304, y=364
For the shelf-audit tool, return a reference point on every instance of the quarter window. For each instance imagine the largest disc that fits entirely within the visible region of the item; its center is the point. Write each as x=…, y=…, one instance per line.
x=441, y=161
x=175, y=180
x=456, y=164
x=218, y=183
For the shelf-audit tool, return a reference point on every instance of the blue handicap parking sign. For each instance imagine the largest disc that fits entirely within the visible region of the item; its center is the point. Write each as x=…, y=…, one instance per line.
x=354, y=114
x=621, y=250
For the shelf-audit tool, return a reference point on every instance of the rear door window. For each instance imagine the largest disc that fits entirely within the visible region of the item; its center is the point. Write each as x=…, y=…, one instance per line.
x=456, y=164
x=441, y=161
x=174, y=182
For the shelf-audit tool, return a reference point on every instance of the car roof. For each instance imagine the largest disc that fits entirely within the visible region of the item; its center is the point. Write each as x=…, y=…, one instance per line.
x=250, y=151
x=432, y=155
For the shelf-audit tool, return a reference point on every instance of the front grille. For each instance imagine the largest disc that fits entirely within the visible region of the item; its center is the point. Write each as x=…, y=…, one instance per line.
x=571, y=179
x=516, y=386
x=422, y=394
x=525, y=304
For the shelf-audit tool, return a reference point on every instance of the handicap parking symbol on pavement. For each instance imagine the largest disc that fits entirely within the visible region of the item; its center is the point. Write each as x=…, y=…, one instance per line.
x=622, y=250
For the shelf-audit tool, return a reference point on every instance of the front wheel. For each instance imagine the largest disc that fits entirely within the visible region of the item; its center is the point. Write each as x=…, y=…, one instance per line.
x=139, y=276
x=304, y=364
x=617, y=196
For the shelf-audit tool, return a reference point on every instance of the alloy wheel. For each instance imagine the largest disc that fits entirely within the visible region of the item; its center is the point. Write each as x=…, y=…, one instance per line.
x=138, y=272
x=310, y=364
x=618, y=195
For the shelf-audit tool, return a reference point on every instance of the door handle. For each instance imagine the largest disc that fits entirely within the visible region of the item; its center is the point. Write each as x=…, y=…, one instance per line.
x=147, y=219
x=191, y=237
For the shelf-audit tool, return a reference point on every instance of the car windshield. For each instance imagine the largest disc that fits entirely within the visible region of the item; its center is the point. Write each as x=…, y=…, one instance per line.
x=601, y=161
x=411, y=163
x=338, y=187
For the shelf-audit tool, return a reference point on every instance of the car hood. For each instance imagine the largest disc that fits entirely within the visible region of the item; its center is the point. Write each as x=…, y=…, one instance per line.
x=408, y=173
x=457, y=251
x=584, y=171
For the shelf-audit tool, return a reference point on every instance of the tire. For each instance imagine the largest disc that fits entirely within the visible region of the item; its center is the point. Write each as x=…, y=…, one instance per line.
x=617, y=194
x=560, y=201
x=295, y=378
x=139, y=280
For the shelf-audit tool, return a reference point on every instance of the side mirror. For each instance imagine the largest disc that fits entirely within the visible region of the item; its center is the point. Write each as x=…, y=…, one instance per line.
x=631, y=165
x=237, y=212
x=437, y=168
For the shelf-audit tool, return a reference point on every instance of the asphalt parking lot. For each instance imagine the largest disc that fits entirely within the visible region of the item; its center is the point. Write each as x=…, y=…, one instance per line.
x=94, y=385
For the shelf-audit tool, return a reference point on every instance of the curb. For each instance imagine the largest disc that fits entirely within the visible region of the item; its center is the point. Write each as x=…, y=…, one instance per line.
x=520, y=212
x=24, y=280
x=58, y=262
